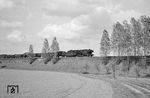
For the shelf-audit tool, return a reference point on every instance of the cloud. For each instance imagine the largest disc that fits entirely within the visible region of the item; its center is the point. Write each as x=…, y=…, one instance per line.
x=126, y=15
x=65, y=31
x=16, y=36
x=80, y=29
x=67, y=8
x=94, y=15
x=6, y=4
x=10, y=24
x=92, y=11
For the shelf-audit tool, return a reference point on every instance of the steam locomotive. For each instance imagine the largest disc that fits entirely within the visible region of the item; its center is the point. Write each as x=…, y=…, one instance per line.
x=79, y=53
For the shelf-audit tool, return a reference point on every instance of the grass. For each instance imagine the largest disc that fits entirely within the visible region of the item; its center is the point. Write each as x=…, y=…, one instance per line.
x=96, y=65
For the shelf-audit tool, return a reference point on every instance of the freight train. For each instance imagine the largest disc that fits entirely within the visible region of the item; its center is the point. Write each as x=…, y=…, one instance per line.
x=70, y=53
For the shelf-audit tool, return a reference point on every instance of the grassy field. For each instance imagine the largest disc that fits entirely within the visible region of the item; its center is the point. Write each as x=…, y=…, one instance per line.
x=93, y=65
x=71, y=64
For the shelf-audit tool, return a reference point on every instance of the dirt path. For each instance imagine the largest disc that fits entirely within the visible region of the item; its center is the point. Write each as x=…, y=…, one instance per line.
x=127, y=87
x=93, y=88
x=138, y=88
x=40, y=84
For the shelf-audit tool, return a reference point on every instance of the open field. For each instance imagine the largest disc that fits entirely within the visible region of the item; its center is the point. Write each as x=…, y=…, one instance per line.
x=40, y=84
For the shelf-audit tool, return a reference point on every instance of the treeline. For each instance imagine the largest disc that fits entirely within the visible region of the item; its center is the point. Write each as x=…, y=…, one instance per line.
x=129, y=38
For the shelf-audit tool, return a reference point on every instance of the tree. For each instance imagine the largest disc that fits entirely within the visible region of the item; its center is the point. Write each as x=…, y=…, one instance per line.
x=31, y=54
x=127, y=43
x=146, y=33
x=127, y=38
x=117, y=37
x=146, y=36
x=55, y=45
x=45, y=48
x=105, y=43
x=136, y=35
x=31, y=48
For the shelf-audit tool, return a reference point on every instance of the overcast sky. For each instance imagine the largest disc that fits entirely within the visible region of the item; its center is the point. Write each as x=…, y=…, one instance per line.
x=77, y=24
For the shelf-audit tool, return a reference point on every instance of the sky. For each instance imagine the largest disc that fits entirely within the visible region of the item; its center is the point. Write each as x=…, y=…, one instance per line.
x=77, y=24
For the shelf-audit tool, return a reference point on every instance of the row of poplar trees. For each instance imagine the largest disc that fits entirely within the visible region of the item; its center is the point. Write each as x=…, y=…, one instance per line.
x=127, y=38
x=46, y=48
x=53, y=48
